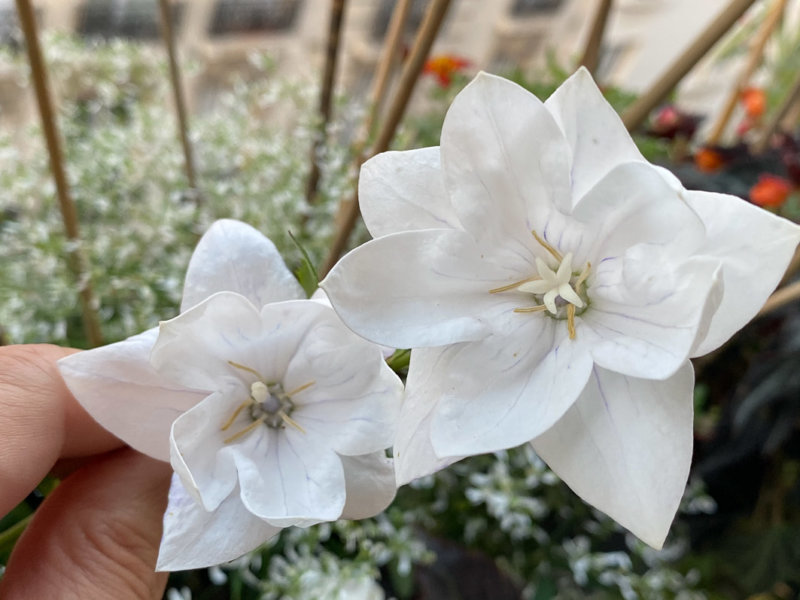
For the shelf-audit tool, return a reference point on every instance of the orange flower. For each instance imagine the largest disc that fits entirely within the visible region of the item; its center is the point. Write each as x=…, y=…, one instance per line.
x=770, y=191
x=755, y=102
x=708, y=160
x=444, y=66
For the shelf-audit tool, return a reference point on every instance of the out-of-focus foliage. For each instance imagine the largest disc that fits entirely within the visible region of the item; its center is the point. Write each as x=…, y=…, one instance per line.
x=139, y=221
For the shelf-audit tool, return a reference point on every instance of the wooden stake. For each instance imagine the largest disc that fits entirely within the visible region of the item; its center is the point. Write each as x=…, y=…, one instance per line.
x=75, y=255
x=591, y=53
x=326, y=96
x=719, y=26
x=408, y=79
x=791, y=98
x=756, y=53
x=780, y=298
x=380, y=84
x=168, y=35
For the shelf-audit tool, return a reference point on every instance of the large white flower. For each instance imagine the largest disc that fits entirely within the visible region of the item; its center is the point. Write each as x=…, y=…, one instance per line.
x=270, y=410
x=553, y=285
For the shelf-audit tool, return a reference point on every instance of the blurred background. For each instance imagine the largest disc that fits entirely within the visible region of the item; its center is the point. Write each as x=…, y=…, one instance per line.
x=167, y=115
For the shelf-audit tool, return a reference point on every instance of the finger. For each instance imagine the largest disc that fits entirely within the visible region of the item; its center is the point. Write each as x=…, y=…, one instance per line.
x=96, y=535
x=40, y=421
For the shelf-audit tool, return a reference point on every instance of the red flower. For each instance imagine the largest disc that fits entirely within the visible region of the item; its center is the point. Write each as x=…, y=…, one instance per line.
x=444, y=66
x=770, y=191
x=708, y=160
x=755, y=102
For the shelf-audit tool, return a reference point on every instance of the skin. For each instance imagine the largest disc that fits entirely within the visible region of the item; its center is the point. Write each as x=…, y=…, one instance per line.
x=97, y=534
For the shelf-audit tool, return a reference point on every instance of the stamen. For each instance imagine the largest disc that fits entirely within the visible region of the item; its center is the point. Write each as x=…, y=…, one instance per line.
x=530, y=309
x=582, y=277
x=289, y=421
x=305, y=386
x=248, y=369
x=235, y=414
x=246, y=430
x=571, y=320
x=556, y=254
x=511, y=286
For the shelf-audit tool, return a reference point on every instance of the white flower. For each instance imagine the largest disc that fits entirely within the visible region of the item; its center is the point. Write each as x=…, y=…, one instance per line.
x=553, y=285
x=271, y=412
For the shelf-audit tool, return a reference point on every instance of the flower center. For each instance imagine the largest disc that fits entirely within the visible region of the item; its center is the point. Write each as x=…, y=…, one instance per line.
x=559, y=292
x=268, y=404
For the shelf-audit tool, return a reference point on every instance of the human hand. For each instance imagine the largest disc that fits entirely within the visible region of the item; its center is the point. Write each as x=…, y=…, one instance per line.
x=97, y=534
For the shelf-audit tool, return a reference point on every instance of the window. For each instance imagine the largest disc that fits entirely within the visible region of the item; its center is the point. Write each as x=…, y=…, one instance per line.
x=524, y=8
x=250, y=16
x=384, y=14
x=133, y=19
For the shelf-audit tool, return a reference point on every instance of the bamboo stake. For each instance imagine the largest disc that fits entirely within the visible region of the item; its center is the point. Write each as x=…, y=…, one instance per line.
x=419, y=53
x=781, y=298
x=75, y=256
x=394, y=37
x=756, y=53
x=177, y=91
x=638, y=111
x=791, y=98
x=591, y=52
x=326, y=96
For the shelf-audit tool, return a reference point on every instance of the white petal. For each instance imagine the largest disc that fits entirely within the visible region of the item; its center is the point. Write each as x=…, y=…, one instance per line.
x=594, y=131
x=413, y=450
x=369, y=480
x=127, y=396
x=197, y=347
x=505, y=160
x=290, y=478
x=635, y=204
x=754, y=247
x=505, y=390
x=625, y=447
x=234, y=257
x=353, y=398
x=420, y=288
x=404, y=191
x=194, y=348
x=198, y=452
x=643, y=320
x=195, y=538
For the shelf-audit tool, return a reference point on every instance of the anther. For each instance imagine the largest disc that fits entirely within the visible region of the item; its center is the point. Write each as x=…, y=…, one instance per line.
x=235, y=414
x=516, y=284
x=290, y=421
x=571, y=321
x=246, y=430
x=582, y=277
x=305, y=386
x=556, y=254
x=248, y=369
x=531, y=309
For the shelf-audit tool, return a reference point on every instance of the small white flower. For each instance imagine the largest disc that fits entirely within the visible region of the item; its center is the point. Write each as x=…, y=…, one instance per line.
x=553, y=286
x=271, y=412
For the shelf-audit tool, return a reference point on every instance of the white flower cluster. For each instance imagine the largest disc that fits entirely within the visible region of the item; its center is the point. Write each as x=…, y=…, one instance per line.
x=552, y=286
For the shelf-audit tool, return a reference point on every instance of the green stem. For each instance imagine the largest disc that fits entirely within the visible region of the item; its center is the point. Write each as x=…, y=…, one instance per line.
x=9, y=537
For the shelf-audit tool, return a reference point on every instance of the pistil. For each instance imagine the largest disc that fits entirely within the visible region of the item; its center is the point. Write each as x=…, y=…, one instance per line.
x=559, y=291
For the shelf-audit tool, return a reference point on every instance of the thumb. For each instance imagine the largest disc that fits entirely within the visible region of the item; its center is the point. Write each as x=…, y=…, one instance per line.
x=96, y=535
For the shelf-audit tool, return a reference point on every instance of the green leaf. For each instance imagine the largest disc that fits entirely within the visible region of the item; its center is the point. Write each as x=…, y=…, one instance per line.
x=306, y=273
